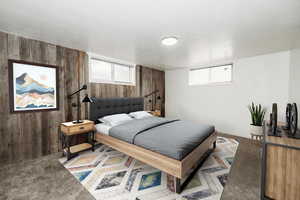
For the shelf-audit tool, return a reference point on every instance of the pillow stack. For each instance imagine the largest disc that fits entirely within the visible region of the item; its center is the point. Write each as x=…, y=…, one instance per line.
x=117, y=119
x=114, y=120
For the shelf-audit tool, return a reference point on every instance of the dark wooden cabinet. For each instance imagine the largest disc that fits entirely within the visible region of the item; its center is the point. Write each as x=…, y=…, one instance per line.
x=280, y=167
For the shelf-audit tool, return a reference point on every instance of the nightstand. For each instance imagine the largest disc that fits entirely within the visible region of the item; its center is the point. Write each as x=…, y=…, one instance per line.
x=68, y=129
x=156, y=113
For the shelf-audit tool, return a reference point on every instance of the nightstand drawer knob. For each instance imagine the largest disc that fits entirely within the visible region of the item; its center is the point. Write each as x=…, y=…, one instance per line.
x=81, y=128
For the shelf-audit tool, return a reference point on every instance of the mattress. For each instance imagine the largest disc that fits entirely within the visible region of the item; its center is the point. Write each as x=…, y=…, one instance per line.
x=103, y=128
x=172, y=138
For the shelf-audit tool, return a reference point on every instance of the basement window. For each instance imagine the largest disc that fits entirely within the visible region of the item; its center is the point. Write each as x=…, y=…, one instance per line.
x=103, y=71
x=211, y=75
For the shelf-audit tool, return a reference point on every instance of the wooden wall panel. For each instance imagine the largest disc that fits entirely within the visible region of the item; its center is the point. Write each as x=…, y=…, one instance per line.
x=31, y=135
x=158, y=83
x=110, y=90
x=146, y=86
x=5, y=149
x=151, y=80
x=138, y=80
x=101, y=90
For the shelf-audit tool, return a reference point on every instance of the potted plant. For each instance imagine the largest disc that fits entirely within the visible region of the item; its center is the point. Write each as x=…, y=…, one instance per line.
x=257, y=117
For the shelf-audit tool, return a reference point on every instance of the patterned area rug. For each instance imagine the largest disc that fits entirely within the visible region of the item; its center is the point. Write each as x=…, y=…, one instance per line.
x=110, y=175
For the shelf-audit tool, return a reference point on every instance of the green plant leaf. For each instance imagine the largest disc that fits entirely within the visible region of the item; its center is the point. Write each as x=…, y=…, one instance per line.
x=257, y=114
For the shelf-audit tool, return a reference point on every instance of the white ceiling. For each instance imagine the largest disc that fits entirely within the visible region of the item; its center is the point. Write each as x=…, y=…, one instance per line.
x=209, y=31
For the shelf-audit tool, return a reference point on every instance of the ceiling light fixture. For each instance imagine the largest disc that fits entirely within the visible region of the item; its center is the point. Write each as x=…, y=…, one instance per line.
x=169, y=41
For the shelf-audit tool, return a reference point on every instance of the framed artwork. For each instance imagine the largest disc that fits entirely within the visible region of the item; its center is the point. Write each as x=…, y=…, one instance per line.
x=33, y=87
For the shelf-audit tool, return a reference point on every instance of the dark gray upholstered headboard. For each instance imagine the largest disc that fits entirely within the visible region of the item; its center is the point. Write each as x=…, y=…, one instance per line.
x=102, y=107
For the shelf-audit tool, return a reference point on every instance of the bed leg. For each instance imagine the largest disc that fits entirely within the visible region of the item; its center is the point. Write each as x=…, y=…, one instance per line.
x=177, y=185
x=173, y=184
x=215, y=144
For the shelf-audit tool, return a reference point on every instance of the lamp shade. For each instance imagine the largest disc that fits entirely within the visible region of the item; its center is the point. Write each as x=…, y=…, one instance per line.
x=87, y=99
x=84, y=87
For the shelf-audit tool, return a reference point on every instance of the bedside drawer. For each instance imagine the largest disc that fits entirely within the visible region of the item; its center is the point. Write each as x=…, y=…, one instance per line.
x=73, y=130
x=80, y=129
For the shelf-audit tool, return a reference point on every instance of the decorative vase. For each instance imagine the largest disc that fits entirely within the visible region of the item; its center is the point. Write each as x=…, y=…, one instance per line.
x=256, y=130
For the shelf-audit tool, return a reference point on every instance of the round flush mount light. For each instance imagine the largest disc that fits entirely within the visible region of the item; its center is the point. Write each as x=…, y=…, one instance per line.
x=169, y=41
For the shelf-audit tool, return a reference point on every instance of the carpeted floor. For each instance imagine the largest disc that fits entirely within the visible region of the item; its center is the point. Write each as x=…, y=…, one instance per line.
x=40, y=179
x=45, y=178
x=110, y=175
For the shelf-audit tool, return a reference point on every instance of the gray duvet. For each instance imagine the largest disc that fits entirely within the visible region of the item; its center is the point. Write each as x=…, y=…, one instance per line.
x=173, y=138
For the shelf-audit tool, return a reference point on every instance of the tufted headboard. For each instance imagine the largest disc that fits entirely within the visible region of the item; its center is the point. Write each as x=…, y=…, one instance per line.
x=102, y=107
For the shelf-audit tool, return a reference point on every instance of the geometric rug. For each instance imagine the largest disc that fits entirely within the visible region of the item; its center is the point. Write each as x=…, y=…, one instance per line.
x=110, y=175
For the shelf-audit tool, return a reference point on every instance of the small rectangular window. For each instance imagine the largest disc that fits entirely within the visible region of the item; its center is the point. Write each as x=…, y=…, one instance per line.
x=122, y=73
x=101, y=71
x=211, y=75
x=109, y=72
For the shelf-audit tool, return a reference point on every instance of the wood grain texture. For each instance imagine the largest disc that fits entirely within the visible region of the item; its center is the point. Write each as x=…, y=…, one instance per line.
x=158, y=83
x=169, y=165
x=5, y=142
x=79, y=147
x=68, y=128
x=191, y=160
x=164, y=163
x=147, y=80
x=284, y=140
x=103, y=90
x=30, y=135
x=282, y=174
x=146, y=86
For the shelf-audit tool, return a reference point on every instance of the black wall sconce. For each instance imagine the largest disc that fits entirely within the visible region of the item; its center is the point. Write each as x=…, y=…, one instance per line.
x=86, y=99
x=156, y=97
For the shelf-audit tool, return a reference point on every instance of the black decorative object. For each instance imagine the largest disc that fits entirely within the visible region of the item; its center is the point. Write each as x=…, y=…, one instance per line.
x=78, y=105
x=87, y=99
x=294, y=120
x=270, y=123
x=288, y=116
x=274, y=119
x=155, y=98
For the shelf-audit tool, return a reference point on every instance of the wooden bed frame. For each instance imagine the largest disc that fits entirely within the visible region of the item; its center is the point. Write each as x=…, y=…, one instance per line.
x=176, y=170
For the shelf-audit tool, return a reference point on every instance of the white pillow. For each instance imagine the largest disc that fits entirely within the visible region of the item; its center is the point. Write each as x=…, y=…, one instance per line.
x=117, y=119
x=140, y=114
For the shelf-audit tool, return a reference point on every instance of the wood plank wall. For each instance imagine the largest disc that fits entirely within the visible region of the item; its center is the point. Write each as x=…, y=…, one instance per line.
x=158, y=83
x=147, y=81
x=151, y=80
x=30, y=135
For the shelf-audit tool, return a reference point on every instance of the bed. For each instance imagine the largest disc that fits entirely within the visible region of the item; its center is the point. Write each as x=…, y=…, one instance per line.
x=171, y=145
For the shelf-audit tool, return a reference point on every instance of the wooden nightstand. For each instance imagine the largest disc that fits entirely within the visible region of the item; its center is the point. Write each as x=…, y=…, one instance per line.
x=156, y=113
x=69, y=129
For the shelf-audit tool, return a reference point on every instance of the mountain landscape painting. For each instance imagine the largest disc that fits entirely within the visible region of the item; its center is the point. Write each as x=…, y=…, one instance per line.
x=34, y=87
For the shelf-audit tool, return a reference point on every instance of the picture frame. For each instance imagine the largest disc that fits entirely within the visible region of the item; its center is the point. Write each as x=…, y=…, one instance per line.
x=33, y=87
